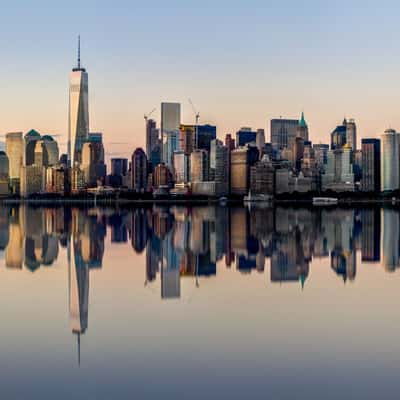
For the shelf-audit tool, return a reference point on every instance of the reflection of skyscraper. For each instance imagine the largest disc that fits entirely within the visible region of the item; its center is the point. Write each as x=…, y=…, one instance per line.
x=371, y=235
x=139, y=230
x=78, y=112
x=390, y=239
x=14, y=254
x=78, y=294
x=170, y=276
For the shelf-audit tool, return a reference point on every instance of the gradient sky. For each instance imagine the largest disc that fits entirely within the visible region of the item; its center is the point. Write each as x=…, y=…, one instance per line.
x=241, y=63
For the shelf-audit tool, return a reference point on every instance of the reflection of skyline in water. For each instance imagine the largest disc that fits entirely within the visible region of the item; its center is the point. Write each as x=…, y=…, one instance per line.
x=187, y=243
x=178, y=242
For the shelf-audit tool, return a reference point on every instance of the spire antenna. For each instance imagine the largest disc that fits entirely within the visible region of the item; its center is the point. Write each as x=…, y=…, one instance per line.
x=79, y=51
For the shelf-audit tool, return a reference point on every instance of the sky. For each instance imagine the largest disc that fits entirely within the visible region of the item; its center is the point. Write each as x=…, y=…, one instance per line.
x=241, y=63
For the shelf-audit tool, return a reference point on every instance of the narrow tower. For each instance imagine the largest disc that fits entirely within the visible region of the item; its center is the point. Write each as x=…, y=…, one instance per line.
x=78, y=124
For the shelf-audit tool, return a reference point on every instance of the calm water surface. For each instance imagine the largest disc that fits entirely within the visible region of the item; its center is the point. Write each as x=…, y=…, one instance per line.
x=204, y=302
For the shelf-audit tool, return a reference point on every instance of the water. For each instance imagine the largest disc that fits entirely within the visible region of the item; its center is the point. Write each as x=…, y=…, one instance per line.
x=202, y=302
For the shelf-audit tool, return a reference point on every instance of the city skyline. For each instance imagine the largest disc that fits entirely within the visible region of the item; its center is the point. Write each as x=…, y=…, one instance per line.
x=269, y=87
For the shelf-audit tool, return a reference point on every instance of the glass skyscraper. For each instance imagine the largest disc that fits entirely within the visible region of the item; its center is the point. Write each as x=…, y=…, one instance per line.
x=170, y=123
x=78, y=112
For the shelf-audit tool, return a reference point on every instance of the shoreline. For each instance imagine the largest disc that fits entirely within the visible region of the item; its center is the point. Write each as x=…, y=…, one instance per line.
x=189, y=202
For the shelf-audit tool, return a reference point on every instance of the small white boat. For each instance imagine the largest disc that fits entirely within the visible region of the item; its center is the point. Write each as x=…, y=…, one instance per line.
x=325, y=201
x=257, y=198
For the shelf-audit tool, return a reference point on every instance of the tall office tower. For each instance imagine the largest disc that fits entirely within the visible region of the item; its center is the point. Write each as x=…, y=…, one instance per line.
x=170, y=123
x=219, y=163
x=262, y=177
x=4, y=173
x=45, y=152
x=139, y=170
x=199, y=166
x=78, y=127
x=302, y=128
x=389, y=160
x=30, y=139
x=371, y=165
x=339, y=174
x=14, y=151
x=181, y=167
x=245, y=135
x=283, y=132
x=351, y=134
x=241, y=161
x=161, y=176
x=220, y=169
x=260, y=140
x=51, y=151
x=187, y=138
x=321, y=155
x=229, y=142
x=339, y=136
x=119, y=166
x=298, y=152
x=151, y=136
x=92, y=165
x=205, y=134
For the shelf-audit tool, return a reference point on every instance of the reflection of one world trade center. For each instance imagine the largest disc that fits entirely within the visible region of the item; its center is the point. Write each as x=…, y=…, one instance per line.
x=78, y=278
x=78, y=273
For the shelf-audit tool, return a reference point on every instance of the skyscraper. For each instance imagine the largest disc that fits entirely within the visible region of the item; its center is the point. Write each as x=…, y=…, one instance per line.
x=371, y=167
x=139, y=170
x=14, y=150
x=78, y=127
x=170, y=123
x=390, y=160
x=283, y=131
x=351, y=134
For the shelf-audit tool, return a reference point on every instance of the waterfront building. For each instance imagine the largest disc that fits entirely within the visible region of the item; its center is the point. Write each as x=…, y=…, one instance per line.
x=241, y=160
x=262, y=177
x=338, y=175
x=92, y=165
x=199, y=165
x=139, y=170
x=14, y=151
x=389, y=160
x=181, y=167
x=170, y=123
x=56, y=180
x=78, y=124
x=4, y=174
x=77, y=180
x=371, y=165
x=161, y=176
x=32, y=179
x=283, y=132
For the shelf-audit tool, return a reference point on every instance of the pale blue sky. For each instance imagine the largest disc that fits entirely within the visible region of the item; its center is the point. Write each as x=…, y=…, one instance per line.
x=242, y=63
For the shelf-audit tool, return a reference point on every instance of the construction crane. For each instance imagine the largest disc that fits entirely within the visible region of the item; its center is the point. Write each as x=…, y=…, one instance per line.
x=146, y=116
x=197, y=117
